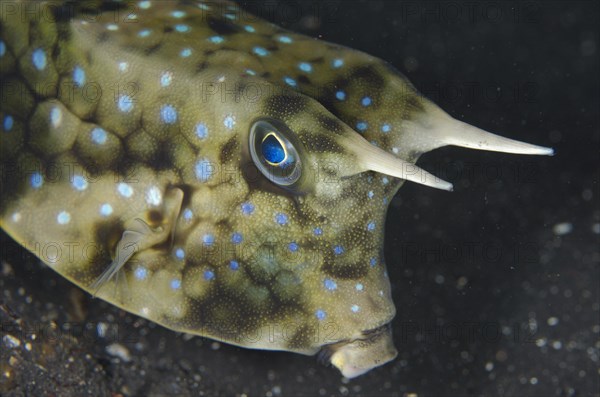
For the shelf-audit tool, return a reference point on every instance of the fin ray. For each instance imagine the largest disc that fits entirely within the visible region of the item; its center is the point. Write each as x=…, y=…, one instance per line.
x=126, y=248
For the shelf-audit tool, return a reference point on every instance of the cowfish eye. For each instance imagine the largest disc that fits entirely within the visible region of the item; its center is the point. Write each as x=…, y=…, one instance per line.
x=273, y=149
x=274, y=153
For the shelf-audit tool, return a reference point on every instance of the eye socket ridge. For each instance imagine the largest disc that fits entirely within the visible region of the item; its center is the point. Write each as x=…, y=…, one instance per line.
x=275, y=151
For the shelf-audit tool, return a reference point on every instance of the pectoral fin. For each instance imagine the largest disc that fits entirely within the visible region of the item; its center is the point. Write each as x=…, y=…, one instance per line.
x=139, y=235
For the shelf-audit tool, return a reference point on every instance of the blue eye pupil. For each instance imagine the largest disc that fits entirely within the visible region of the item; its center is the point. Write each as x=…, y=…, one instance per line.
x=272, y=150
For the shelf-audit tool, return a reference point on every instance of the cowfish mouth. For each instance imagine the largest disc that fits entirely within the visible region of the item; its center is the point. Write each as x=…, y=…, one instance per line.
x=355, y=357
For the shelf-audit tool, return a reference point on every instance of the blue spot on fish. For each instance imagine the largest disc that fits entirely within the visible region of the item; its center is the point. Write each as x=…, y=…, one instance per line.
x=8, y=123
x=386, y=128
x=55, y=117
x=166, y=78
x=175, y=283
x=99, y=136
x=371, y=226
x=141, y=273
x=355, y=308
x=362, y=125
x=320, y=314
x=216, y=39
x=285, y=39
x=305, y=67
x=79, y=183
x=188, y=214
x=124, y=190
x=106, y=209
x=182, y=28
x=179, y=253
x=249, y=29
x=63, y=218
x=293, y=247
x=330, y=284
x=260, y=51
x=234, y=265
x=144, y=33
x=281, y=219
x=186, y=52
x=340, y=95
x=338, y=250
x=208, y=239
x=153, y=196
x=201, y=130
x=38, y=57
x=229, y=122
x=168, y=114
x=36, y=180
x=204, y=170
x=337, y=63
x=373, y=262
x=366, y=101
x=78, y=76
x=247, y=208
x=2, y=48
x=125, y=103
x=290, y=81
x=178, y=14
x=317, y=231
x=236, y=238
x=209, y=275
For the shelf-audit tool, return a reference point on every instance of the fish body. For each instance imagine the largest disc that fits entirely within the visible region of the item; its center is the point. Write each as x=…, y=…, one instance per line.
x=212, y=172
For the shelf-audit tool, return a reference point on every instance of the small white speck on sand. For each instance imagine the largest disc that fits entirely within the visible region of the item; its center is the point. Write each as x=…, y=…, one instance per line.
x=560, y=229
x=101, y=329
x=556, y=345
x=187, y=337
x=10, y=341
x=118, y=350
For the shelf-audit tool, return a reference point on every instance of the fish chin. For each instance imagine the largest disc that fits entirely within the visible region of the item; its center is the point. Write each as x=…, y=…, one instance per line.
x=356, y=357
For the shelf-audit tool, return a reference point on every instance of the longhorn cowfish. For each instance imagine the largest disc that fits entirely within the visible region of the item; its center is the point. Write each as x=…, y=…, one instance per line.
x=212, y=172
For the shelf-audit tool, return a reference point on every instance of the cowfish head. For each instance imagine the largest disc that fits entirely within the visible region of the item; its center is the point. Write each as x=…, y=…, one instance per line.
x=324, y=190
x=307, y=229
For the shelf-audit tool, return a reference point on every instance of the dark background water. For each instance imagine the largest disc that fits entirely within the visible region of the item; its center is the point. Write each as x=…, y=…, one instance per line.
x=496, y=284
